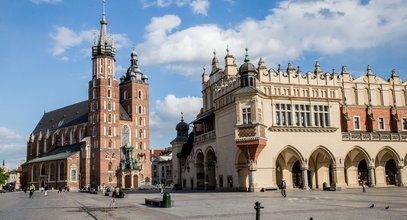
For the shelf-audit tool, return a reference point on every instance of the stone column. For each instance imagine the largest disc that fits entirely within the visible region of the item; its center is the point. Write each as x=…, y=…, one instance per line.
x=131, y=180
x=401, y=176
x=305, y=179
x=252, y=176
x=339, y=176
x=372, y=178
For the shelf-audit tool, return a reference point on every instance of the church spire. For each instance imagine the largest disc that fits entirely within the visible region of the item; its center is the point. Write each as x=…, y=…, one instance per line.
x=104, y=45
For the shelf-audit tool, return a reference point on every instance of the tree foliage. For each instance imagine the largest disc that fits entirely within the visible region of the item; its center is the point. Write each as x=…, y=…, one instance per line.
x=3, y=176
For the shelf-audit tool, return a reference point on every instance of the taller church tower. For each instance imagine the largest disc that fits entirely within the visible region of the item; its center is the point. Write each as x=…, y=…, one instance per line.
x=104, y=110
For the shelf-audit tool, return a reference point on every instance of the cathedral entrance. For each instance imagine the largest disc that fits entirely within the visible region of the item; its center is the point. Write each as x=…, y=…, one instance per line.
x=127, y=182
x=391, y=172
x=321, y=169
x=363, y=172
x=288, y=167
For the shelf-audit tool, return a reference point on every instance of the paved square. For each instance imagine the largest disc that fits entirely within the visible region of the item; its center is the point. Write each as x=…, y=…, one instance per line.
x=348, y=204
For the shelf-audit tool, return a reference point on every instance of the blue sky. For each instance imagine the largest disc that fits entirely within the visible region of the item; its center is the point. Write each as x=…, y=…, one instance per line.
x=46, y=45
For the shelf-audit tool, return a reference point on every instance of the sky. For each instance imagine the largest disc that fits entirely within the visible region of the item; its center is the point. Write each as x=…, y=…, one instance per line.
x=46, y=56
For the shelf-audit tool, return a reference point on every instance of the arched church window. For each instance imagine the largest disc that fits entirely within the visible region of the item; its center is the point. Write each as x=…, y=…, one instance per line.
x=140, y=95
x=141, y=134
x=110, y=166
x=125, y=95
x=34, y=174
x=109, y=119
x=125, y=135
x=109, y=95
x=139, y=109
x=141, y=121
x=62, y=171
x=109, y=105
x=109, y=82
x=110, y=131
x=52, y=172
x=42, y=170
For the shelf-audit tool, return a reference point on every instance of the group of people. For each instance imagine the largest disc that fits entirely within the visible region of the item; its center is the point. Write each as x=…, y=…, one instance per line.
x=32, y=189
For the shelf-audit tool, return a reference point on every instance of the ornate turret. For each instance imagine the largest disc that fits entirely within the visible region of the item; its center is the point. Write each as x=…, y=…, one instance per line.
x=215, y=63
x=369, y=71
x=247, y=73
x=182, y=127
x=134, y=73
x=104, y=45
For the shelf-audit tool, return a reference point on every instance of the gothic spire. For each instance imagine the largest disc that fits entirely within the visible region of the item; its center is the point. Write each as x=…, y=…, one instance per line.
x=104, y=45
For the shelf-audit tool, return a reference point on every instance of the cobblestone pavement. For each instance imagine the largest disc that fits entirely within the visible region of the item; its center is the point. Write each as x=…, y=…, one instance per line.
x=347, y=204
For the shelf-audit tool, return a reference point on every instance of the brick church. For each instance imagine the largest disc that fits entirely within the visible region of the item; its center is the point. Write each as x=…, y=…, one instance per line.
x=104, y=140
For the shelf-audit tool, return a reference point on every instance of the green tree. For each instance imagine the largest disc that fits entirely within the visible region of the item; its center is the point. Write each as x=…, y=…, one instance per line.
x=3, y=176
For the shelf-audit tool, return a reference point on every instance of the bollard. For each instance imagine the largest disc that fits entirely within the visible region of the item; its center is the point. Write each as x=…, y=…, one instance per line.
x=258, y=207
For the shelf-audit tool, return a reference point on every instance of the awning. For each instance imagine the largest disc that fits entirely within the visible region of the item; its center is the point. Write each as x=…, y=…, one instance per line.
x=207, y=115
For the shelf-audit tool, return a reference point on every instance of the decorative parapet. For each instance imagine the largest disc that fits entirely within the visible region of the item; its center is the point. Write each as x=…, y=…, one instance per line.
x=303, y=129
x=205, y=137
x=373, y=136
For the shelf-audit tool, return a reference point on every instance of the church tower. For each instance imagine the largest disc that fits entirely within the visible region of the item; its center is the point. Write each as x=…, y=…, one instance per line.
x=104, y=109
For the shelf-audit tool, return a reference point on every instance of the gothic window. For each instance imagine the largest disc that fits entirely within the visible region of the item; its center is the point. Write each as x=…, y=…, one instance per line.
x=139, y=109
x=34, y=174
x=62, y=171
x=141, y=121
x=125, y=95
x=125, y=135
x=109, y=105
x=141, y=145
x=110, y=131
x=140, y=95
x=42, y=170
x=110, y=166
x=110, y=144
x=141, y=134
x=72, y=137
x=247, y=115
x=101, y=66
x=110, y=179
x=109, y=82
x=113, y=156
x=109, y=95
x=52, y=172
x=109, y=118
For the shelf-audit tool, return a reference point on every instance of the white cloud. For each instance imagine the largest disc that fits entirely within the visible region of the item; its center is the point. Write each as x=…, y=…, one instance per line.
x=200, y=7
x=197, y=6
x=65, y=38
x=292, y=28
x=167, y=114
x=46, y=1
x=12, y=147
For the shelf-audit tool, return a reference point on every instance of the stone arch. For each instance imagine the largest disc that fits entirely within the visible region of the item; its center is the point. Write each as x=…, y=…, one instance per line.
x=200, y=171
x=242, y=171
x=387, y=163
x=210, y=168
x=285, y=162
x=354, y=168
x=321, y=163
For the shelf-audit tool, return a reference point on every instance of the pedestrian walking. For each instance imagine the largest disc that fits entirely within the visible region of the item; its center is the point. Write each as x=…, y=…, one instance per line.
x=283, y=188
x=363, y=186
x=32, y=189
x=46, y=190
x=59, y=189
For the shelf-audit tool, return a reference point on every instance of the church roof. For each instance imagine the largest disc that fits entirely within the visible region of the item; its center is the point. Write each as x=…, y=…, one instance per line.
x=58, y=153
x=63, y=117
x=247, y=90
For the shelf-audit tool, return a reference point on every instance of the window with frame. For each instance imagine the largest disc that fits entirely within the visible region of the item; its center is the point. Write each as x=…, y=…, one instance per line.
x=380, y=122
x=356, y=122
x=302, y=115
x=404, y=123
x=321, y=115
x=73, y=175
x=247, y=115
x=109, y=105
x=283, y=114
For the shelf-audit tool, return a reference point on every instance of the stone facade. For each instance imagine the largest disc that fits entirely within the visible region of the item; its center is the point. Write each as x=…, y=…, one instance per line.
x=81, y=145
x=259, y=126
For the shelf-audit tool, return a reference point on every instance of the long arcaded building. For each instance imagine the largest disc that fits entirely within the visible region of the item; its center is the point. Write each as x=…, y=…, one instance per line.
x=259, y=126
